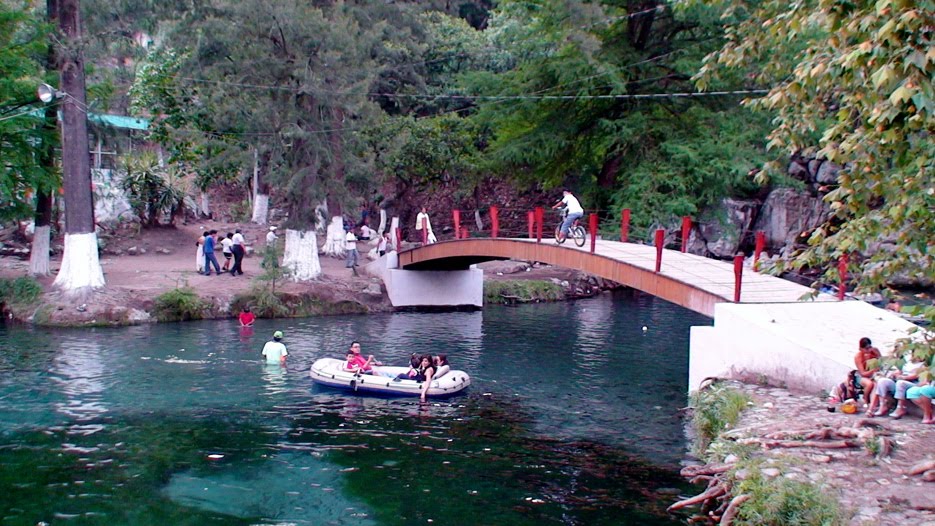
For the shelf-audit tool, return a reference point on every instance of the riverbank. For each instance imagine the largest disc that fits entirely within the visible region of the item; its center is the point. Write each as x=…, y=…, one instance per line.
x=786, y=442
x=141, y=266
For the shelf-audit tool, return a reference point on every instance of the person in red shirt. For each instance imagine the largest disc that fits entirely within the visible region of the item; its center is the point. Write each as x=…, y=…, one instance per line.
x=246, y=318
x=356, y=362
x=867, y=361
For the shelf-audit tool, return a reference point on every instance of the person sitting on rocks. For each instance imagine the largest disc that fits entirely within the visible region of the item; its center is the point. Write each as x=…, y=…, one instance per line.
x=895, y=385
x=867, y=361
x=922, y=396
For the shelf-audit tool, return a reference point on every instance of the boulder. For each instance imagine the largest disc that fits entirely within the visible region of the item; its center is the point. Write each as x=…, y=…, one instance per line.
x=827, y=173
x=786, y=213
x=721, y=231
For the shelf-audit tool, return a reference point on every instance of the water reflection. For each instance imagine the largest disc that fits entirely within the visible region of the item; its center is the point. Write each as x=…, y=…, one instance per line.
x=83, y=372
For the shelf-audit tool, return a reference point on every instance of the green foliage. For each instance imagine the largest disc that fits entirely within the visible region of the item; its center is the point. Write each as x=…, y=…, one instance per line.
x=779, y=501
x=23, y=45
x=19, y=291
x=851, y=83
x=265, y=303
x=181, y=304
x=272, y=270
x=521, y=291
x=241, y=211
x=153, y=191
x=715, y=409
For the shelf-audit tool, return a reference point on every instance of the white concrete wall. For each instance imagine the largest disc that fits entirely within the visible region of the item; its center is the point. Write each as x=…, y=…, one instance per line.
x=435, y=288
x=808, y=346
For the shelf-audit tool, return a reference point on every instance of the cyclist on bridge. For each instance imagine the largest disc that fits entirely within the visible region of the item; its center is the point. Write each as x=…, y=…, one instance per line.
x=574, y=211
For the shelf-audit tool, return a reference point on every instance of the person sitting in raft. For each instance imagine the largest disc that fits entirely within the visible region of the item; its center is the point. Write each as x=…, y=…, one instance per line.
x=867, y=361
x=922, y=396
x=274, y=350
x=246, y=317
x=425, y=374
x=440, y=362
x=895, y=385
x=364, y=365
x=414, y=362
x=351, y=364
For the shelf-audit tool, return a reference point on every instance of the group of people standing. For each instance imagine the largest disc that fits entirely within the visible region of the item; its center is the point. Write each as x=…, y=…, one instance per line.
x=233, y=247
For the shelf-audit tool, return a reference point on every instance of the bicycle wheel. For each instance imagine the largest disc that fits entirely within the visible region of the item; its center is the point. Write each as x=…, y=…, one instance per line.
x=558, y=235
x=580, y=235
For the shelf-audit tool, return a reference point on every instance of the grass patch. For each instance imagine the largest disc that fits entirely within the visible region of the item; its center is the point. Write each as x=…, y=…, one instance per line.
x=715, y=409
x=19, y=291
x=180, y=304
x=521, y=291
x=268, y=304
x=780, y=501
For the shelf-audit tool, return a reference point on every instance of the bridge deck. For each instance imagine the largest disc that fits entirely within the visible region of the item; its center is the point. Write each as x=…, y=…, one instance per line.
x=695, y=282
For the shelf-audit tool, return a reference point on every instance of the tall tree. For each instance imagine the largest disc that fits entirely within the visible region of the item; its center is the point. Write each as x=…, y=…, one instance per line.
x=853, y=83
x=81, y=269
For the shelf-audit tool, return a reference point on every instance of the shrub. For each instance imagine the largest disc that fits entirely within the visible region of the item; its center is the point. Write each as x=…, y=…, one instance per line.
x=181, y=304
x=22, y=291
x=715, y=409
x=783, y=502
x=521, y=291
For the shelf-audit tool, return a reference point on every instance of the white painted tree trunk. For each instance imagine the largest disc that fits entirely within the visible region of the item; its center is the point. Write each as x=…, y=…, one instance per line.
x=478, y=221
x=39, y=251
x=301, y=255
x=394, y=237
x=205, y=204
x=334, y=243
x=321, y=212
x=260, y=209
x=81, y=269
x=382, y=222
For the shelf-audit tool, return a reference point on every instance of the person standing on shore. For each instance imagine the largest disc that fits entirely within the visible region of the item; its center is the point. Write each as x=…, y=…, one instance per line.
x=210, y=258
x=271, y=237
x=226, y=245
x=350, y=245
x=239, y=248
x=200, y=253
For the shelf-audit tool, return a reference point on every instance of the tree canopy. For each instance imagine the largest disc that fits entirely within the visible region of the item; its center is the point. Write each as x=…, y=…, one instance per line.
x=850, y=82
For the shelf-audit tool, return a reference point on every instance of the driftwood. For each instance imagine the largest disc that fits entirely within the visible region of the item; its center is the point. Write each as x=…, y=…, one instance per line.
x=731, y=512
x=922, y=467
x=707, y=469
x=711, y=493
x=832, y=444
x=929, y=476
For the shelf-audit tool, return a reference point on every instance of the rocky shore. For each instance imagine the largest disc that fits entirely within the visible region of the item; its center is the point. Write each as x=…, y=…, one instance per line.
x=879, y=470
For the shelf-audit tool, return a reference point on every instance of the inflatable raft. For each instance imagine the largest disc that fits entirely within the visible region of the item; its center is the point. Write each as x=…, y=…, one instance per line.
x=330, y=372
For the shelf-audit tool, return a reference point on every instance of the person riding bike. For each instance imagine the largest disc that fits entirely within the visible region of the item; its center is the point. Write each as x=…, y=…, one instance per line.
x=573, y=208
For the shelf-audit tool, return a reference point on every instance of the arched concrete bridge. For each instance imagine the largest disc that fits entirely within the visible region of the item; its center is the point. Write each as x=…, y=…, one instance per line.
x=694, y=282
x=773, y=330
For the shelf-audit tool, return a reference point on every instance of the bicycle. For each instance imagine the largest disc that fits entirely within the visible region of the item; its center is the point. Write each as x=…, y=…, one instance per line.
x=575, y=231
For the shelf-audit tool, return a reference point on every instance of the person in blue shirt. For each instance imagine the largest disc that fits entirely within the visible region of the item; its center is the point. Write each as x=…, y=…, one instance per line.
x=210, y=258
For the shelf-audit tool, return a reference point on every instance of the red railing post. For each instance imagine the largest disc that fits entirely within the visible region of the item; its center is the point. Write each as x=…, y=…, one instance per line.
x=625, y=225
x=738, y=276
x=592, y=226
x=425, y=231
x=456, y=215
x=531, y=216
x=842, y=274
x=760, y=245
x=686, y=230
x=540, y=216
x=399, y=240
x=464, y=233
x=660, y=239
x=494, y=221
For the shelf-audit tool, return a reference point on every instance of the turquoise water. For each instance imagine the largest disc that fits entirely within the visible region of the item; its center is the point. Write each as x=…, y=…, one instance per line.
x=571, y=419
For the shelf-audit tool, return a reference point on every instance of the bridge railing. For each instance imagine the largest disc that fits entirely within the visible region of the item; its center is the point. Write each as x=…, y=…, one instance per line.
x=512, y=222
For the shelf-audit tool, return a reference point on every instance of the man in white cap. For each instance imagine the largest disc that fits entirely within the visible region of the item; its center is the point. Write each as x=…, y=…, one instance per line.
x=274, y=350
x=271, y=236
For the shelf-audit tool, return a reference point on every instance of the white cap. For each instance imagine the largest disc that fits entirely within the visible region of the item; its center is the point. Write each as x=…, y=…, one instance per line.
x=272, y=228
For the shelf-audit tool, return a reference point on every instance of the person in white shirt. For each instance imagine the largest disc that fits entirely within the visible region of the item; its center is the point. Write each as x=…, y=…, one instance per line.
x=226, y=245
x=574, y=210
x=275, y=351
x=239, y=248
x=429, y=234
x=350, y=245
x=365, y=233
x=381, y=245
x=271, y=236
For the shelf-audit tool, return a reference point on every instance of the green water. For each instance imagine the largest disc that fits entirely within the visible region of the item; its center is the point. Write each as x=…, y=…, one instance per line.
x=571, y=419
